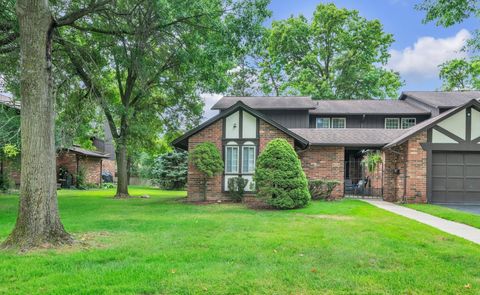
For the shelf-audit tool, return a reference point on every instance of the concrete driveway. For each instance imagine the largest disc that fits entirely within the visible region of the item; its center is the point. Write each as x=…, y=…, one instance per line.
x=467, y=208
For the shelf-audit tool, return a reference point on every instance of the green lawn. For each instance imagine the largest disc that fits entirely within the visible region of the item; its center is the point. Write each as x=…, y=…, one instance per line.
x=447, y=213
x=162, y=246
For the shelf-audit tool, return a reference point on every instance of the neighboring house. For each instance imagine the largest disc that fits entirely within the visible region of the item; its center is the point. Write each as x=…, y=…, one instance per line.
x=429, y=142
x=70, y=160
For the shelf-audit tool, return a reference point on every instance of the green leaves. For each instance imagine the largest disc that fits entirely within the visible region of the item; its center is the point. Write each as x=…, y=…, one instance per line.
x=207, y=159
x=461, y=74
x=335, y=55
x=279, y=176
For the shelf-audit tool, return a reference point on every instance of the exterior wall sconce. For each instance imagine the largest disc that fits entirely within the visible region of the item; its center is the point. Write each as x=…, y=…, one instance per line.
x=234, y=125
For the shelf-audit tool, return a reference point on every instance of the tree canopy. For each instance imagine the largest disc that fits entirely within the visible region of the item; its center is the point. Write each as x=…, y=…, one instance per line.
x=335, y=55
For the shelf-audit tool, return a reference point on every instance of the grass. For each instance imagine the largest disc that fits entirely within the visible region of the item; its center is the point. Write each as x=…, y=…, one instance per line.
x=448, y=213
x=162, y=246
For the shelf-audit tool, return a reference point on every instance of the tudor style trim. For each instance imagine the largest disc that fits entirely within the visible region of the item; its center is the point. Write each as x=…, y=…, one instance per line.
x=182, y=141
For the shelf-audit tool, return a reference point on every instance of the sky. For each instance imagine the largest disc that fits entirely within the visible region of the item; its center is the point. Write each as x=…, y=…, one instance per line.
x=418, y=48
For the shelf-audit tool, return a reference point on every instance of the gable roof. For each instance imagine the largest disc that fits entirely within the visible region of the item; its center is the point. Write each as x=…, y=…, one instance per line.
x=430, y=123
x=349, y=136
x=182, y=141
x=267, y=102
x=368, y=107
x=85, y=152
x=442, y=99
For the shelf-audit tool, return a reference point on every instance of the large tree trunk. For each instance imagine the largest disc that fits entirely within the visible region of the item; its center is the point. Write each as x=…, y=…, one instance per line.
x=38, y=222
x=122, y=170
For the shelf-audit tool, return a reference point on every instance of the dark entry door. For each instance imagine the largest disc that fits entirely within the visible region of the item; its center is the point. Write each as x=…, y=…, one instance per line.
x=455, y=177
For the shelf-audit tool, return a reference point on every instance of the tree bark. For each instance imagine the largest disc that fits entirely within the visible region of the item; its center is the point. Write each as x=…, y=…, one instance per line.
x=122, y=171
x=38, y=221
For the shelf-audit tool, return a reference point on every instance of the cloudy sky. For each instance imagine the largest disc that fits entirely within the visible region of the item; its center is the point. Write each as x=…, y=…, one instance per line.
x=418, y=49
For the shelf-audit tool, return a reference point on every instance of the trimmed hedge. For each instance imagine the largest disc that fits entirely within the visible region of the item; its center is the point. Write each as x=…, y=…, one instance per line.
x=321, y=189
x=279, y=177
x=207, y=159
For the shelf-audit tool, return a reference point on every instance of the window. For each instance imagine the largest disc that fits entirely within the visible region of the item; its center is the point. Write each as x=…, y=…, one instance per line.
x=338, y=122
x=248, y=159
x=323, y=122
x=231, y=159
x=392, y=123
x=408, y=122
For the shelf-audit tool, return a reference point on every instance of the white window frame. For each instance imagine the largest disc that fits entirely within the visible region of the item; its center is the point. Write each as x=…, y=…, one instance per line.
x=232, y=146
x=327, y=118
x=254, y=157
x=339, y=118
x=396, y=119
x=405, y=119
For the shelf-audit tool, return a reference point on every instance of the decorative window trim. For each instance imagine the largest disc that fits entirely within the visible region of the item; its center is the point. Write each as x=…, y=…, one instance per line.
x=232, y=145
x=249, y=146
x=395, y=119
x=327, y=118
x=406, y=119
x=341, y=119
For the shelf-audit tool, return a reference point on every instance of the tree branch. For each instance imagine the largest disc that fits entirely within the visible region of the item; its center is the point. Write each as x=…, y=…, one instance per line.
x=69, y=19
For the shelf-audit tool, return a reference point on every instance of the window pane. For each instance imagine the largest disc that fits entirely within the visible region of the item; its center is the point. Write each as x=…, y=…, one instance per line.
x=323, y=122
x=231, y=159
x=338, y=122
x=392, y=123
x=248, y=159
x=408, y=122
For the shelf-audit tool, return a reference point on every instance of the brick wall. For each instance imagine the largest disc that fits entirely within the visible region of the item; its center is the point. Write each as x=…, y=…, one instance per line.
x=92, y=166
x=325, y=163
x=406, y=171
x=110, y=166
x=213, y=134
x=268, y=132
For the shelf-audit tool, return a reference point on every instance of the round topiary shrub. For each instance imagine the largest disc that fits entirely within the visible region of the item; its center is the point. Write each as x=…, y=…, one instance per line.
x=279, y=177
x=207, y=159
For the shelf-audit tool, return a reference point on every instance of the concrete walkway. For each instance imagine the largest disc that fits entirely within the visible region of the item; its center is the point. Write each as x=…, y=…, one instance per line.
x=454, y=228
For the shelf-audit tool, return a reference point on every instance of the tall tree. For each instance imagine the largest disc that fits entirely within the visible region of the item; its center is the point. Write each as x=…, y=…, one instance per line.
x=457, y=74
x=38, y=221
x=146, y=63
x=336, y=55
x=461, y=74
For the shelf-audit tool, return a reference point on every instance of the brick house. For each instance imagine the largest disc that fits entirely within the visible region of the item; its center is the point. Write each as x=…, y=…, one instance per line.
x=69, y=160
x=429, y=143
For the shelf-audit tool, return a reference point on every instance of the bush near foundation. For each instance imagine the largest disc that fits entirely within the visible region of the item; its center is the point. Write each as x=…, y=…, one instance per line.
x=279, y=177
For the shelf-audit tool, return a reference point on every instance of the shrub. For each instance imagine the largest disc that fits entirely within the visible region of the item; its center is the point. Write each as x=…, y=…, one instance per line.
x=170, y=170
x=321, y=189
x=236, y=187
x=279, y=177
x=207, y=159
x=371, y=160
x=81, y=180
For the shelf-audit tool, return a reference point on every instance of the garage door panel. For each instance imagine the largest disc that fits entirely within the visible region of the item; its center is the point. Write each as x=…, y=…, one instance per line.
x=455, y=177
x=439, y=170
x=472, y=158
x=439, y=184
x=455, y=184
x=454, y=158
x=472, y=171
x=472, y=184
x=455, y=170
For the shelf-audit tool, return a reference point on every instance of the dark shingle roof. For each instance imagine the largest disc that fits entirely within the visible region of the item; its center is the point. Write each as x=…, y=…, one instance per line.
x=267, y=102
x=369, y=107
x=442, y=99
x=349, y=136
x=87, y=153
x=182, y=141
